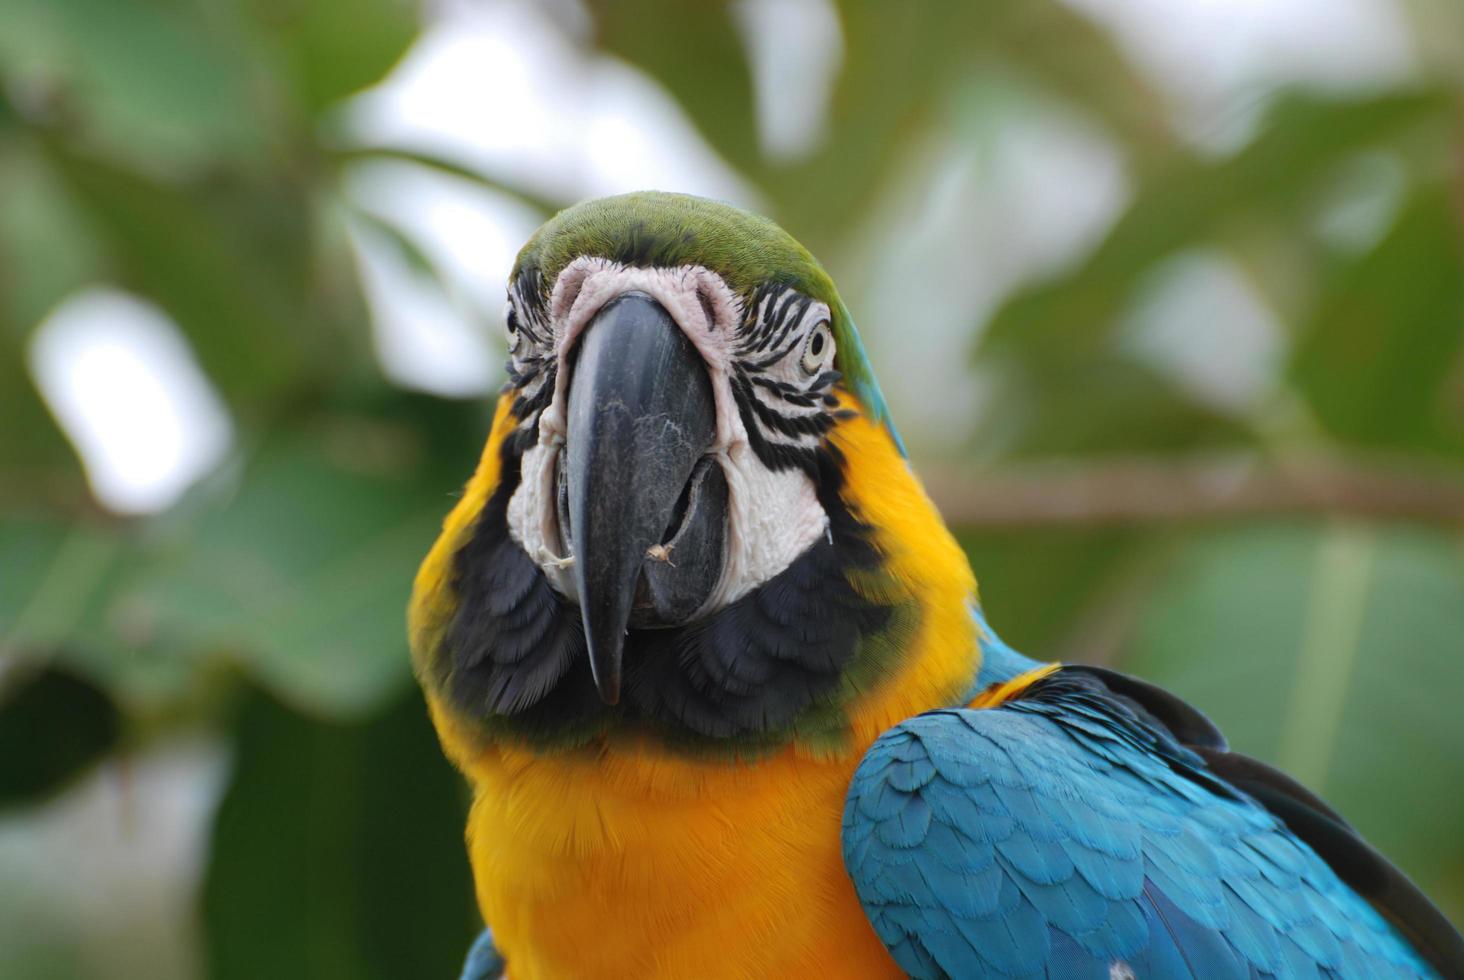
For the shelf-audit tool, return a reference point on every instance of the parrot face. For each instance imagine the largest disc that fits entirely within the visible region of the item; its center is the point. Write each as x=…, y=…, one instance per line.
x=661, y=536
x=674, y=432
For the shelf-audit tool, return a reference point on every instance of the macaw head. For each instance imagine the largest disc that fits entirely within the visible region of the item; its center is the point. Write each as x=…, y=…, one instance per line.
x=693, y=520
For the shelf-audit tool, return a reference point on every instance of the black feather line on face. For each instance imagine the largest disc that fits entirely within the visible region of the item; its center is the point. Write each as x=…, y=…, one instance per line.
x=529, y=286
x=792, y=426
x=774, y=455
x=756, y=329
x=533, y=359
x=513, y=657
x=529, y=406
x=782, y=388
x=795, y=305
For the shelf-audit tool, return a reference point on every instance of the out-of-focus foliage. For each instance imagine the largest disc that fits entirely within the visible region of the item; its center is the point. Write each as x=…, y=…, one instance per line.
x=189, y=152
x=336, y=851
x=68, y=722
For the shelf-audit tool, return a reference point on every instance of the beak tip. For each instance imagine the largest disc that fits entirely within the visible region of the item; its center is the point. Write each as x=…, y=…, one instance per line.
x=605, y=668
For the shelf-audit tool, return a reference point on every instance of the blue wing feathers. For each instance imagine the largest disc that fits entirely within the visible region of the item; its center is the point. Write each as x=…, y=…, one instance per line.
x=1063, y=836
x=484, y=961
x=1181, y=946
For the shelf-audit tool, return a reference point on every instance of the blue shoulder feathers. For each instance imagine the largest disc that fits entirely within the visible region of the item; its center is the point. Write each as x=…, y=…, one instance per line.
x=484, y=962
x=1081, y=831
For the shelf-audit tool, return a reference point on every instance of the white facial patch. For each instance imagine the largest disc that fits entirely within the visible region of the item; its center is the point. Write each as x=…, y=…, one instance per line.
x=773, y=514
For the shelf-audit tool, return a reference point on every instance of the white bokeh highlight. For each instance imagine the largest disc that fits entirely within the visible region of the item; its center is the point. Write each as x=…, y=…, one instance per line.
x=1219, y=60
x=122, y=382
x=113, y=865
x=795, y=49
x=439, y=333
x=502, y=88
x=981, y=217
x=1363, y=199
x=1201, y=321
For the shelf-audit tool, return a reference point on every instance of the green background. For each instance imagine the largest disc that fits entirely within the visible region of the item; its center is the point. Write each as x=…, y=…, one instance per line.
x=1293, y=564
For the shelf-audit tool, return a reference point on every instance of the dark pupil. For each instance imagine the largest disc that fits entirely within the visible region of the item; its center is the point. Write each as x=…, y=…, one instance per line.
x=816, y=346
x=512, y=322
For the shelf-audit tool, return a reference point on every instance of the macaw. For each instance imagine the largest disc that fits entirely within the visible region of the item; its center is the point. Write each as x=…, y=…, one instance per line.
x=718, y=676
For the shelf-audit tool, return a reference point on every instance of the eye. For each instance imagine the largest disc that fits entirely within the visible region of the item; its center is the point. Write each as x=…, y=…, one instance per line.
x=511, y=329
x=818, y=350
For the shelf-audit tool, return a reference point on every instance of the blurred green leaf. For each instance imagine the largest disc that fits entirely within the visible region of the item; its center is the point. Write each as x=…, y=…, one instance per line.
x=338, y=851
x=903, y=62
x=1326, y=649
x=697, y=53
x=1382, y=360
x=302, y=574
x=333, y=48
x=35, y=458
x=895, y=57
x=9, y=119
x=1081, y=63
x=230, y=268
x=64, y=723
x=47, y=247
x=46, y=251
x=165, y=85
x=69, y=594
x=303, y=577
x=1304, y=140
x=1036, y=583
x=1094, y=405
x=53, y=579
x=299, y=573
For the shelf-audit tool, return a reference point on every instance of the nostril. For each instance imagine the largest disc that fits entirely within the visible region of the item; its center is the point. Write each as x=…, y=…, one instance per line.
x=704, y=297
x=572, y=285
x=681, y=571
x=561, y=504
x=686, y=503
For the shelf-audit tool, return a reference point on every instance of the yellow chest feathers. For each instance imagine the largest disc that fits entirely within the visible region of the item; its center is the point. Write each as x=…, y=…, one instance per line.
x=625, y=864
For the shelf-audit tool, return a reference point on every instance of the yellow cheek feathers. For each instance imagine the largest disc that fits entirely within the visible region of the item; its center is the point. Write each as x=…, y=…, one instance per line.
x=433, y=601
x=924, y=565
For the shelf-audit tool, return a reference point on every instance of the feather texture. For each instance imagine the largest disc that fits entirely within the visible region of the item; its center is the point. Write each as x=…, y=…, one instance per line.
x=1067, y=833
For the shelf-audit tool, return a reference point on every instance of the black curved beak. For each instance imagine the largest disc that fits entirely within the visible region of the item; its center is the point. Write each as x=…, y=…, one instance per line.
x=642, y=507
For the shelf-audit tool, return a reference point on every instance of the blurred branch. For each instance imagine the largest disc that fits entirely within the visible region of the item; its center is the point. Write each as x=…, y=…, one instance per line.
x=1150, y=491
